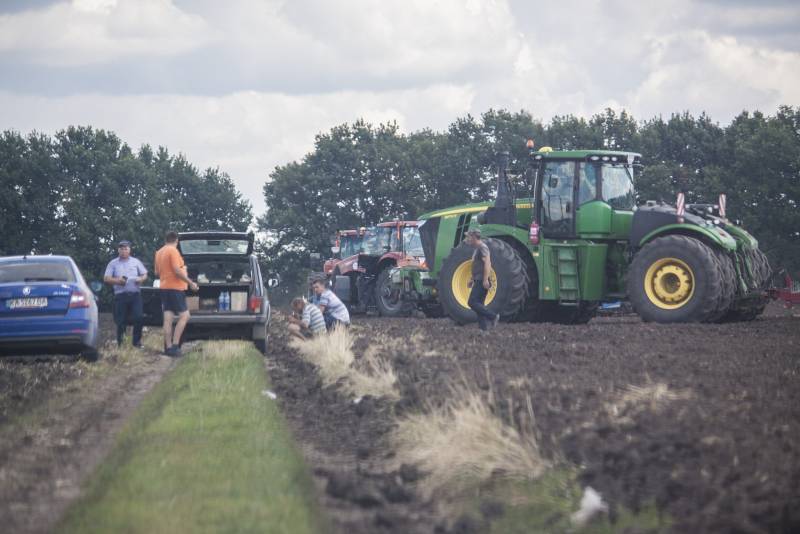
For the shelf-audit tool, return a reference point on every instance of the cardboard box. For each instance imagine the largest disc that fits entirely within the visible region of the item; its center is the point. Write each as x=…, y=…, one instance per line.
x=193, y=303
x=239, y=301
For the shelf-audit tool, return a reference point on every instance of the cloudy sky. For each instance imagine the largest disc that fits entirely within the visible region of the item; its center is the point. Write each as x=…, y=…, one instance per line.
x=245, y=85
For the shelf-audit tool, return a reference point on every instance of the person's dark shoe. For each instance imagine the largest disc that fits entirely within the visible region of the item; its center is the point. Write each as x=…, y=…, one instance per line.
x=173, y=351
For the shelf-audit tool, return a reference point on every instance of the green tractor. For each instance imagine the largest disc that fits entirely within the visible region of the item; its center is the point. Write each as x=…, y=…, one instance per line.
x=575, y=239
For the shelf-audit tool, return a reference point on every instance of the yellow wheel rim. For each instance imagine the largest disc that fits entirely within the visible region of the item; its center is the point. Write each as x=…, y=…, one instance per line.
x=669, y=283
x=460, y=282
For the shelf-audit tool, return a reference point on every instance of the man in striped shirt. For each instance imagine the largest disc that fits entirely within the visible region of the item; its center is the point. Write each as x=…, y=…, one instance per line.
x=306, y=320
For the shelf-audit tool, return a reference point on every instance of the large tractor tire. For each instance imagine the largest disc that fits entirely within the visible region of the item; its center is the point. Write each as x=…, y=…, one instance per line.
x=675, y=279
x=388, y=299
x=761, y=276
x=508, y=277
x=727, y=273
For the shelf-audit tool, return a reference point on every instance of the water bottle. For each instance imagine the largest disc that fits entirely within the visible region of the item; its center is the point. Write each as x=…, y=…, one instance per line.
x=227, y=301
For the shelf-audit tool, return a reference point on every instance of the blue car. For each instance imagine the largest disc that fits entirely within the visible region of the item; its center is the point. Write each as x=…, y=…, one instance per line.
x=46, y=307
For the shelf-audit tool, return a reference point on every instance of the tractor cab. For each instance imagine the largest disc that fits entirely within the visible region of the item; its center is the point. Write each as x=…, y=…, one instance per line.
x=587, y=194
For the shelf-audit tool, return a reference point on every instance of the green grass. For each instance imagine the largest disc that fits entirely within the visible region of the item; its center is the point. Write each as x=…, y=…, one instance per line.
x=205, y=452
x=545, y=505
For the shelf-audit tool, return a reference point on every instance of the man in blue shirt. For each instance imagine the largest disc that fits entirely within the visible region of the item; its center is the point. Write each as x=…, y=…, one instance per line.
x=333, y=310
x=126, y=274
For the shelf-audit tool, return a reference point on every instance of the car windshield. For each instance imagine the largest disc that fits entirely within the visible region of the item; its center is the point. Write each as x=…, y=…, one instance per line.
x=214, y=246
x=618, y=186
x=349, y=245
x=376, y=241
x=412, y=244
x=35, y=272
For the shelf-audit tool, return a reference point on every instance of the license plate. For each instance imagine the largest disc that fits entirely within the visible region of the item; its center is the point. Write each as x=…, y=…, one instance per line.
x=38, y=302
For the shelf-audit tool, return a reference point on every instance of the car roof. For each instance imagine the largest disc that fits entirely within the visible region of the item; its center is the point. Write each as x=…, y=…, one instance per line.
x=36, y=259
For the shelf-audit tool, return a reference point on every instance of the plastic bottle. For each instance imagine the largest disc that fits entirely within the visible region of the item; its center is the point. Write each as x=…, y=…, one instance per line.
x=221, y=301
x=227, y=301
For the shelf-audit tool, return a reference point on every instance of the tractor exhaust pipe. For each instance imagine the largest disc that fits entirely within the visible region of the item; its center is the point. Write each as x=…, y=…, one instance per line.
x=504, y=209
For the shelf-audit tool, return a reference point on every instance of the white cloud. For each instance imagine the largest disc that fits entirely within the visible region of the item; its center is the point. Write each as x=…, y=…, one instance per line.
x=247, y=85
x=97, y=31
x=719, y=75
x=246, y=134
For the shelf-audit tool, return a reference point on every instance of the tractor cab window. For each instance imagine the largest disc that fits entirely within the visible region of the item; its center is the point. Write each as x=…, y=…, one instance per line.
x=587, y=186
x=618, y=186
x=556, y=203
x=376, y=241
x=349, y=245
x=412, y=243
x=394, y=240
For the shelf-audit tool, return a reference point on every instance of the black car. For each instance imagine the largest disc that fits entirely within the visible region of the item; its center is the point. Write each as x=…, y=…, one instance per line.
x=232, y=299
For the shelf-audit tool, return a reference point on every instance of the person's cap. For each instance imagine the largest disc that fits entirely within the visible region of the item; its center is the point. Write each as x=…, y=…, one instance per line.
x=474, y=232
x=124, y=243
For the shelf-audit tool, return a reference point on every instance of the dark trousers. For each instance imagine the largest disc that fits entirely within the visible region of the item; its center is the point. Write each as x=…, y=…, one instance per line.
x=128, y=309
x=477, y=297
x=330, y=322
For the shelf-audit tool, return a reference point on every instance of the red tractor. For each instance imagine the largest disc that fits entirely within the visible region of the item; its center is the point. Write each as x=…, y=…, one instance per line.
x=345, y=251
x=366, y=283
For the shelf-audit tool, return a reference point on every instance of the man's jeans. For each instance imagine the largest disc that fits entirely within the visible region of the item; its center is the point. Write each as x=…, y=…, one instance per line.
x=477, y=297
x=128, y=308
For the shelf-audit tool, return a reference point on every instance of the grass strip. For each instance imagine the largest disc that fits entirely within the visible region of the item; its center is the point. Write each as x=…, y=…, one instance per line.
x=206, y=451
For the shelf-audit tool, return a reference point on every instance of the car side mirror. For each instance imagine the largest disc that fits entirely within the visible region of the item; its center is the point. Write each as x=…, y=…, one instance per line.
x=95, y=286
x=335, y=250
x=272, y=282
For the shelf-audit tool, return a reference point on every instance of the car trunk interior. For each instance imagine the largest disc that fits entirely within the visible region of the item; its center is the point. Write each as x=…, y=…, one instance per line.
x=232, y=277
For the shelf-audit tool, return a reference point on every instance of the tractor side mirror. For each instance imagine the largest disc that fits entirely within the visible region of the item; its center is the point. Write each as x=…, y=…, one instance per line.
x=335, y=250
x=553, y=182
x=569, y=207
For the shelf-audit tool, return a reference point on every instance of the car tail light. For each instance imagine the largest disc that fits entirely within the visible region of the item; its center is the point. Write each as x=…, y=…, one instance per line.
x=533, y=233
x=78, y=299
x=255, y=304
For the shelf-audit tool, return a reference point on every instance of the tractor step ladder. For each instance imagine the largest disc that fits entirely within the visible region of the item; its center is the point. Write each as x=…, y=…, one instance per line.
x=566, y=263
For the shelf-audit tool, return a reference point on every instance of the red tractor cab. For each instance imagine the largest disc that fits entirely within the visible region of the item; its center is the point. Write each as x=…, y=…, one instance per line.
x=368, y=282
x=345, y=249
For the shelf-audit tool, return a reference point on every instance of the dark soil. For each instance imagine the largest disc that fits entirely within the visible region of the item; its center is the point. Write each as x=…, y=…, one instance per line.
x=58, y=419
x=722, y=456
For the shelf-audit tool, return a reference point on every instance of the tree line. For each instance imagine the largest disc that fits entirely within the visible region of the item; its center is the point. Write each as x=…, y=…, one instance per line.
x=360, y=174
x=82, y=190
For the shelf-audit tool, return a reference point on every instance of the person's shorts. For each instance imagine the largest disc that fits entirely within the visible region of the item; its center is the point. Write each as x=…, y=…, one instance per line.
x=173, y=300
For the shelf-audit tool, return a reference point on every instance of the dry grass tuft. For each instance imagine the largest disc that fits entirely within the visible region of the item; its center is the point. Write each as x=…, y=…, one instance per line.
x=653, y=396
x=462, y=444
x=333, y=355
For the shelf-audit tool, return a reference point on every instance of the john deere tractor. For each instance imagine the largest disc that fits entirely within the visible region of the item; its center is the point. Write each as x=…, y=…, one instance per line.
x=575, y=238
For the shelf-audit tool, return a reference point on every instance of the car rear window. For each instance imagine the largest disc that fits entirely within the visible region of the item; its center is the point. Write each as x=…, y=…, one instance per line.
x=214, y=246
x=35, y=272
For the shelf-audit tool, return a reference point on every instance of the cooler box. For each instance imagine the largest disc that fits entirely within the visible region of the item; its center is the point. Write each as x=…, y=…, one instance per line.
x=193, y=303
x=239, y=301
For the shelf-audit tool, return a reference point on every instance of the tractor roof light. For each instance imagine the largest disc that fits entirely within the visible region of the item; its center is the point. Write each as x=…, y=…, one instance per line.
x=594, y=158
x=605, y=158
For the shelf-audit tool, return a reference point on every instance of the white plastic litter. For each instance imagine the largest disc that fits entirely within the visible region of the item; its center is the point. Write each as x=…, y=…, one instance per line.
x=270, y=394
x=357, y=400
x=591, y=504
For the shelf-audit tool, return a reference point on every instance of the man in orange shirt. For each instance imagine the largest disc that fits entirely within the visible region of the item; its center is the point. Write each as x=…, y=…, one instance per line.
x=171, y=271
